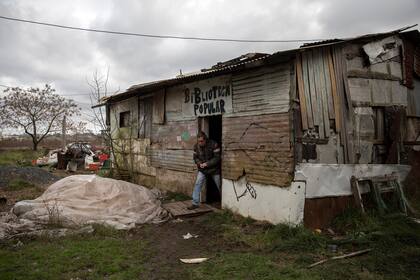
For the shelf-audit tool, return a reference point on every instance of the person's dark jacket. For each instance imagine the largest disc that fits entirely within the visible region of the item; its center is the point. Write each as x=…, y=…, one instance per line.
x=209, y=153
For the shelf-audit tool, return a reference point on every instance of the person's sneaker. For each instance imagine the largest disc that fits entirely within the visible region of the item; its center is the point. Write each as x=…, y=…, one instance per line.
x=192, y=207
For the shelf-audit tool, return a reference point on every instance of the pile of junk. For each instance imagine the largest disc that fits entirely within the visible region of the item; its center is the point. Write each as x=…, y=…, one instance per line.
x=76, y=156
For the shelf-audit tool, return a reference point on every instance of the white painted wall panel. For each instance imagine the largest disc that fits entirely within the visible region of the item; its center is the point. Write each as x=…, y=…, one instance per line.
x=270, y=203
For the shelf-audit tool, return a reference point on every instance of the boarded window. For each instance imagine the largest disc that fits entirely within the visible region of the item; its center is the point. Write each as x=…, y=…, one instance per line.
x=145, y=117
x=125, y=119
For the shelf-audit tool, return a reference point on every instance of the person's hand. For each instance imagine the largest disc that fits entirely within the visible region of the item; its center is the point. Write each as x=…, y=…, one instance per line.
x=203, y=165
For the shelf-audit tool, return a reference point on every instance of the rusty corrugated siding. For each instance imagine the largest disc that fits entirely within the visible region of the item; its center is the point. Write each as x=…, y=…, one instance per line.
x=172, y=144
x=179, y=160
x=258, y=146
x=175, y=135
x=264, y=90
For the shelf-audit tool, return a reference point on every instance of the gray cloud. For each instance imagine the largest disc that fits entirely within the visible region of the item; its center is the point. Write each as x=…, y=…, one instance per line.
x=33, y=55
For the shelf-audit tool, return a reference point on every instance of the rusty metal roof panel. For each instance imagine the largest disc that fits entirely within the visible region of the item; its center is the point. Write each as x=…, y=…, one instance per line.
x=243, y=61
x=188, y=77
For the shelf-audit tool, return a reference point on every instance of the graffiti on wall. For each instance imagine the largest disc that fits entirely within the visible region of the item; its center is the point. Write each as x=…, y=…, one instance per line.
x=208, y=101
x=249, y=189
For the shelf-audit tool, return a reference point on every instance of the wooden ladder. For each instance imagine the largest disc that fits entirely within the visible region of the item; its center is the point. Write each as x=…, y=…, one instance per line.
x=378, y=186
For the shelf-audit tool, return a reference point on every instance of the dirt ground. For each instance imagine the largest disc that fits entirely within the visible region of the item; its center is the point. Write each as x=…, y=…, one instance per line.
x=169, y=245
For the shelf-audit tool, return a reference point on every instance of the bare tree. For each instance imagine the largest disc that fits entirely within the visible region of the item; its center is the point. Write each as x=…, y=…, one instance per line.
x=77, y=129
x=98, y=91
x=37, y=111
x=121, y=144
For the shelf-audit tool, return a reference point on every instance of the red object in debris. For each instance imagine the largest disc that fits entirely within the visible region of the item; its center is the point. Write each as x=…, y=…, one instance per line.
x=93, y=166
x=34, y=162
x=103, y=157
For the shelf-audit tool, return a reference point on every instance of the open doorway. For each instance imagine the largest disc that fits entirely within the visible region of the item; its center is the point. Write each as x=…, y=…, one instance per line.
x=212, y=126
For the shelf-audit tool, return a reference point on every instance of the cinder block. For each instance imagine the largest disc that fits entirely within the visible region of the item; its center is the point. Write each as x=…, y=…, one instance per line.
x=379, y=67
x=356, y=63
x=381, y=91
x=395, y=68
x=399, y=94
x=360, y=90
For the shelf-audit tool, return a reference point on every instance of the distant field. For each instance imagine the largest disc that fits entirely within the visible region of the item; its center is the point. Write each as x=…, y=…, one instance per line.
x=53, y=142
x=19, y=157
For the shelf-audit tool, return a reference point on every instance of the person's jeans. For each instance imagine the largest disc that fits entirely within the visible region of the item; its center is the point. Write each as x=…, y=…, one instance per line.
x=201, y=177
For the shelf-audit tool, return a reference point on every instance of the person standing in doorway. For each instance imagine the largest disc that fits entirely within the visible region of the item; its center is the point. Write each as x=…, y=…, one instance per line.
x=207, y=159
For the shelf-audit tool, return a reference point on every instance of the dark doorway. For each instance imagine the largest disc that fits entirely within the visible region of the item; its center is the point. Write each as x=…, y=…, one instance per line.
x=215, y=133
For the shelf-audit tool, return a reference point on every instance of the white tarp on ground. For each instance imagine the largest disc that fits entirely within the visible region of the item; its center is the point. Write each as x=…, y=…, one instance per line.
x=85, y=199
x=334, y=179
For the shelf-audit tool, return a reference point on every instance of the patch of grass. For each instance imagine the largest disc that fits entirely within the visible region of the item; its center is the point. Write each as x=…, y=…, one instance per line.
x=294, y=238
x=19, y=157
x=174, y=196
x=19, y=184
x=395, y=240
x=352, y=221
x=248, y=266
x=237, y=230
x=104, y=254
x=226, y=217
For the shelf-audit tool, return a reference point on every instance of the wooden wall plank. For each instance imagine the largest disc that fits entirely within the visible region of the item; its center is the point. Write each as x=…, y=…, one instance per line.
x=312, y=91
x=159, y=107
x=328, y=88
x=323, y=92
x=318, y=92
x=301, y=93
x=258, y=145
x=307, y=92
x=337, y=110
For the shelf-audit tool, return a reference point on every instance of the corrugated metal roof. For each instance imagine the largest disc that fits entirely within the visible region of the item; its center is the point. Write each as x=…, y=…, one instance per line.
x=366, y=36
x=146, y=87
x=237, y=63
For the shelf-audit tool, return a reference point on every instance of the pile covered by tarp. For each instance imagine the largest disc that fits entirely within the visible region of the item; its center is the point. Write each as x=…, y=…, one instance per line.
x=87, y=199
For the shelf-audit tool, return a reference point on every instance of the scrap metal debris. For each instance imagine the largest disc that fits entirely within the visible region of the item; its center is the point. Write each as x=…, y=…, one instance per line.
x=77, y=155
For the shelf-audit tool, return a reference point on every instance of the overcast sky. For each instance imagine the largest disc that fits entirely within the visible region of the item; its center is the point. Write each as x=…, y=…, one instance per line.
x=32, y=55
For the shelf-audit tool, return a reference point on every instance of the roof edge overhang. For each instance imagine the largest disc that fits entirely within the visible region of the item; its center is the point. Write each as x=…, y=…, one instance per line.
x=269, y=59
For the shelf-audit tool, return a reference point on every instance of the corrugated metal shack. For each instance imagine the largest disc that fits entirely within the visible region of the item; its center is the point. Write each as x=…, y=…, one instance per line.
x=294, y=125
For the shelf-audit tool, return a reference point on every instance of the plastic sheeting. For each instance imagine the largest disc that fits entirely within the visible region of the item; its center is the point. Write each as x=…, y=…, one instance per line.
x=324, y=180
x=86, y=199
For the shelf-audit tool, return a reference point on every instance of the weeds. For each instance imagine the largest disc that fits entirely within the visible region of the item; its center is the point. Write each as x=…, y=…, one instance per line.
x=295, y=238
x=174, y=196
x=18, y=184
x=352, y=221
x=54, y=214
